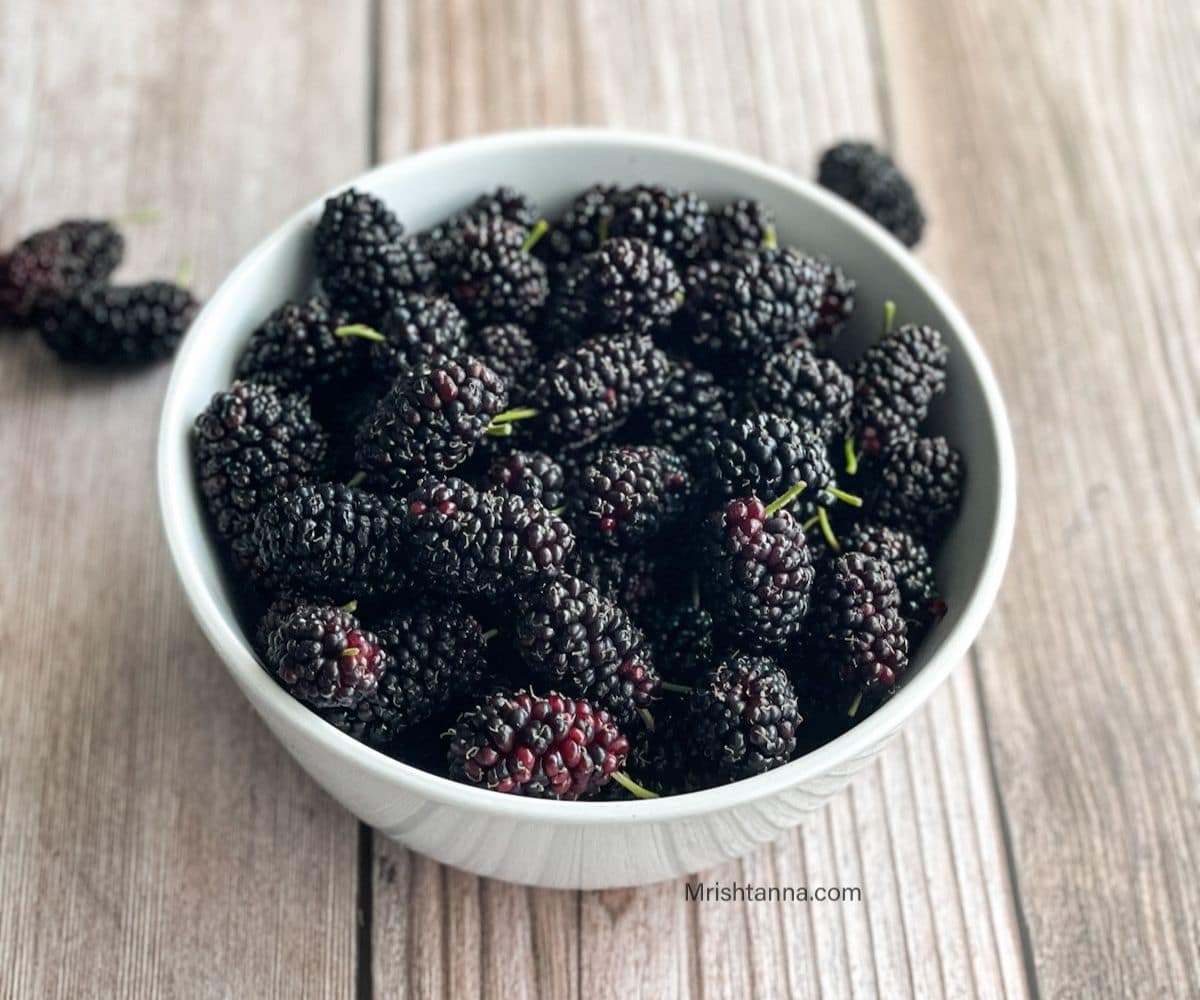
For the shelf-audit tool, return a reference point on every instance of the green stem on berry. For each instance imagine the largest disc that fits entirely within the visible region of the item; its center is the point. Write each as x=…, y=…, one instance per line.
x=827, y=529
x=853, y=711
x=809, y=523
x=680, y=296
x=632, y=787
x=889, y=316
x=558, y=511
x=350, y=606
x=501, y=425
x=779, y=503
x=676, y=688
x=519, y=413
x=535, y=234
x=350, y=651
x=490, y=634
x=140, y=216
x=357, y=478
x=771, y=239
x=360, y=330
x=850, y=498
x=647, y=718
x=602, y=229
x=851, y=457
x=695, y=589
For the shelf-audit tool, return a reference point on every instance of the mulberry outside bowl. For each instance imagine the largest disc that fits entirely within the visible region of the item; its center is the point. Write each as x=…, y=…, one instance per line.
x=595, y=844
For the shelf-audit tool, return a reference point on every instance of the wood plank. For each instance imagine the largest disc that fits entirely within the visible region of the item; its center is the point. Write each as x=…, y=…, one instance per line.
x=155, y=839
x=780, y=80
x=1056, y=145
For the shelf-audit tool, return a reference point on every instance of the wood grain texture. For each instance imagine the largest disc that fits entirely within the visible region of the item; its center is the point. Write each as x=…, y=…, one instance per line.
x=919, y=834
x=1057, y=145
x=154, y=839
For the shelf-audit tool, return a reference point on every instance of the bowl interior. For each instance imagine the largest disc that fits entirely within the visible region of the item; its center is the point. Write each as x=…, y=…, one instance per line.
x=554, y=167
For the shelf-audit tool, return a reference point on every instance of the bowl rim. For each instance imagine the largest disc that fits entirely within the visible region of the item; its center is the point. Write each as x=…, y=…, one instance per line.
x=174, y=474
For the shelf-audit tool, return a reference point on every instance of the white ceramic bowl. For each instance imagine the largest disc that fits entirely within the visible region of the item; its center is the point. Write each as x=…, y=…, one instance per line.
x=594, y=844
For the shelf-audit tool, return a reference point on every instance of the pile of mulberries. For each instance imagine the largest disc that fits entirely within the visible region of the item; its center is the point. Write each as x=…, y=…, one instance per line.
x=571, y=508
x=57, y=282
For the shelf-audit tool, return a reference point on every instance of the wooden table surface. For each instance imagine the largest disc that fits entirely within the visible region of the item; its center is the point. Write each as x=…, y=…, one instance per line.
x=1037, y=828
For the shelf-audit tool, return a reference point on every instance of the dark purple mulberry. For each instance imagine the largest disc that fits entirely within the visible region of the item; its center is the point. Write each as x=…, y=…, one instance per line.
x=118, y=325
x=805, y=387
x=750, y=304
x=431, y=421
x=743, y=717
x=676, y=221
x=757, y=573
x=630, y=494
x=919, y=487
x=253, y=441
x=533, y=475
x=894, y=383
x=325, y=657
x=56, y=264
x=467, y=542
x=365, y=262
x=591, y=390
x=546, y=746
x=870, y=180
x=856, y=626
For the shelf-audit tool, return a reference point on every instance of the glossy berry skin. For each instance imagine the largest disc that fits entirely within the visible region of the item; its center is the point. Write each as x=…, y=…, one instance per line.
x=323, y=656
x=118, y=325
x=505, y=204
x=837, y=302
x=741, y=225
x=920, y=603
x=533, y=475
x=628, y=495
x=805, y=387
x=743, y=717
x=418, y=331
x=870, y=180
x=673, y=220
x=894, y=384
x=431, y=421
x=627, y=286
x=463, y=541
x=751, y=303
x=857, y=629
x=579, y=641
x=766, y=454
x=591, y=390
x=436, y=654
x=365, y=262
x=282, y=607
x=295, y=348
x=580, y=229
x=918, y=487
x=756, y=575
x=691, y=402
x=332, y=538
x=509, y=351
x=251, y=442
x=625, y=576
x=683, y=639
x=492, y=278
x=546, y=746
x=56, y=264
